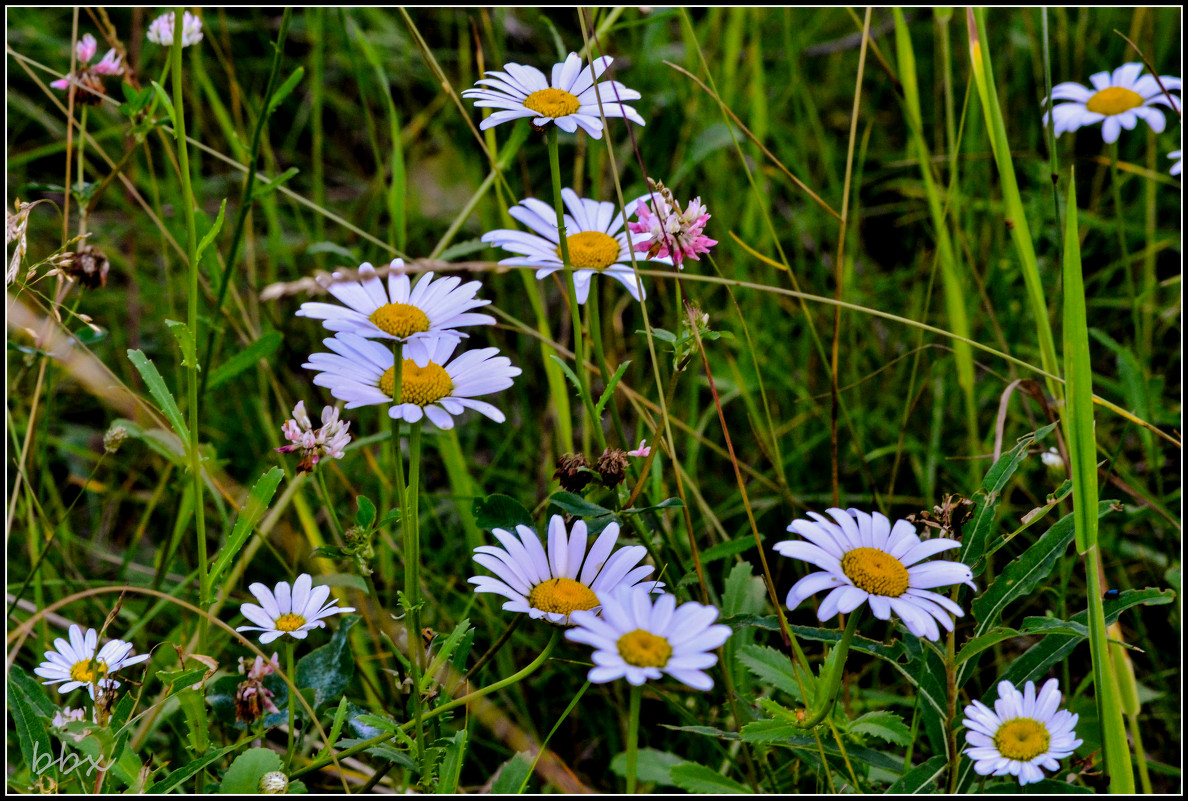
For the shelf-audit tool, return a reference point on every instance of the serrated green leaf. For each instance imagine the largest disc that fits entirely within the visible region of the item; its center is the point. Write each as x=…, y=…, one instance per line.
x=570, y=374
x=340, y=717
x=744, y=593
x=251, y=514
x=920, y=779
x=193, y=706
x=243, y=777
x=189, y=770
x=445, y=651
x=984, y=642
x=210, y=235
x=578, y=506
x=772, y=667
x=451, y=764
x=694, y=778
x=500, y=511
x=284, y=90
x=185, y=341
x=160, y=393
x=512, y=775
x=652, y=766
x=262, y=348
x=885, y=725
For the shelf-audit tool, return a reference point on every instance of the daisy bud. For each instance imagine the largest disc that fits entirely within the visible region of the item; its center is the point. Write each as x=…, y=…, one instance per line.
x=274, y=783
x=114, y=438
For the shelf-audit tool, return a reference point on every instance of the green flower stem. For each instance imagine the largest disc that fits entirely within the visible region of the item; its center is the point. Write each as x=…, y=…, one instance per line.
x=291, y=672
x=446, y=707
x=579, y=345
x=82, y=142
x=828, y=693
x=594, y=322
x=1123, y=250
x=187, y=203
x=326, y=500
x=412, y=576
x=633, y=736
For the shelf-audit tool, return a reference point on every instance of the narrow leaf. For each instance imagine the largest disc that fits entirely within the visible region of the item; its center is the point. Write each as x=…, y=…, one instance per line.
x=185, y=340
x=160, y=392
x=251, y=514
x=262, y=348
x=610, y=389
x=210, y=235
x=284, y=90
x=699, y=779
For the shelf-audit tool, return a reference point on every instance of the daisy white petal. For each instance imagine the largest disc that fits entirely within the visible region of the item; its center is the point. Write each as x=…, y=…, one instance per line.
x=1022, y=735
x=864, y=558
x=594, y=235
x=77, y=663
x=641, y=640
x=553, y=584
x=568, y=97
x=1117, y=100
x=362, y=372
x=289, y=610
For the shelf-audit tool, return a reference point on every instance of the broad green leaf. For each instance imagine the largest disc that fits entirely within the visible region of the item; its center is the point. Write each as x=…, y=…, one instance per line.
x=512, y=775
x=243, y=777
x=31, y=727
x=251, y=514
x=501, y=511
x=885, y=725
x=979, y=529
x=328, y=670
x=160, y=393
x=262, y=348
x=744, y=593
x=193, y=706
x=365, y=516
x=724, y=550
x=696, y=778
x=652, y=766
x=920, y=779
x=772, y=667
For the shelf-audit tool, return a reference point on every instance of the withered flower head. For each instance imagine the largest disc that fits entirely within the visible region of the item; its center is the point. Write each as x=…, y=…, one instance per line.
x=89, y=267
x=612, y=466
x=572, y=472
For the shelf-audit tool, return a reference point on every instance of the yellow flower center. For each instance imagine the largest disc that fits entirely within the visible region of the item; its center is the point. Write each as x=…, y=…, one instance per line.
x=289, y=622
x=419, y=385
x=591, y=250
x=644, y=649
x=562, y=596
x=1021, y=738
x=875, y=571
x=400, y=319
x=1114, y=100
x=89, y=671
x=552, y=103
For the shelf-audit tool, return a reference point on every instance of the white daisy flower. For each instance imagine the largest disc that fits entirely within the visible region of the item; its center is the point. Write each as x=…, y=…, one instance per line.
x=295, y=611
x=362, y=373
x=864, y=559
x=76, y=662
x=1179, y=162
x=413, y=315
x=565, y=580
x=638, y=640
x=1117, y=101
x=161, y=30
x=1022, y=734
x=597, y=242
x=570, y=99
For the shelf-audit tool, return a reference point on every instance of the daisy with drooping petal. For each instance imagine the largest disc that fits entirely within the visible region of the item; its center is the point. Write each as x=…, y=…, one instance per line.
x=76, y=663
x=1022, y=734
x=594, y=232
x=1116, y=100
x=362, y=373
x=413, y=315
x=1179, y=162
x=864, y=559
x=566, y=579
x=569, y=99
x=637, y=640
x=161, y=30
x=295, y=611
